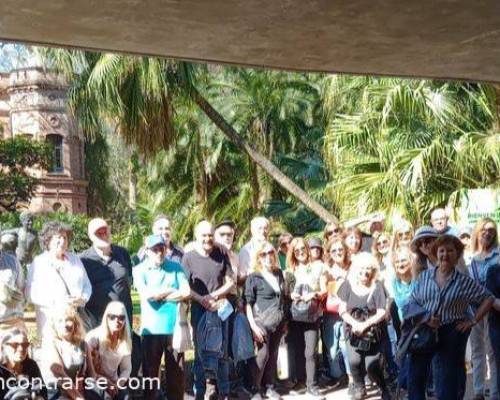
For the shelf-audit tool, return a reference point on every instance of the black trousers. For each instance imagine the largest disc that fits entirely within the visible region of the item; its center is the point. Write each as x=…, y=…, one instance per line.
x=154, y=347
x=304, y=337
x=362, y=362
x=266, y=362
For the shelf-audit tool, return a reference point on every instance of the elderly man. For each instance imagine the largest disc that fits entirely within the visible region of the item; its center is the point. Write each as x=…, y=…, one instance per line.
x=109, y=270
x=439, y=221
x=12, y=298
x=259, y=228
x=224, y=236
x=163, y=227
x=211, y=279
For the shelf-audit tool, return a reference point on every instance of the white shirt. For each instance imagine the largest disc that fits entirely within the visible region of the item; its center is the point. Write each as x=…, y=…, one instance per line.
x=247, y=252
x=48, y=289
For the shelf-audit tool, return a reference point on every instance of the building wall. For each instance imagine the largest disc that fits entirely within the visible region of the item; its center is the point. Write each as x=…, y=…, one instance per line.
x=33, y=103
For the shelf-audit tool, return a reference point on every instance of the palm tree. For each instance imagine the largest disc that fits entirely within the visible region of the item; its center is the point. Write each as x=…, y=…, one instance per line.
x=141, y=94
x=408, y=145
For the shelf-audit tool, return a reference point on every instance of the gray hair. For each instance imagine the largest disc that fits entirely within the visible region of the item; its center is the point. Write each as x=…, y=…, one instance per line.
x=53, y=228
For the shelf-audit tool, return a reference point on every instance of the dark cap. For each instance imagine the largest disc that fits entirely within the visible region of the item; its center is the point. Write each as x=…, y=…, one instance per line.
x=227, y=222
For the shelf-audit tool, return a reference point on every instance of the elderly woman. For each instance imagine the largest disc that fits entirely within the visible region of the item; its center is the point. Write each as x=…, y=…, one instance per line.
x=16, y=365
x=309, y=290
x=486, y=255
x=66, y=359
x=363, y=309
x=56, y=277
x=111, y=347
x=446, y=295
x=265, y=292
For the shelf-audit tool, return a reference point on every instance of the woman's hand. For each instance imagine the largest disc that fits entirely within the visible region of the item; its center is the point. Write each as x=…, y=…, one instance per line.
x=295, y=296
x=358, y=328
x=465, y=325
x=258, y=334
x=434, y=322
x=309, y=296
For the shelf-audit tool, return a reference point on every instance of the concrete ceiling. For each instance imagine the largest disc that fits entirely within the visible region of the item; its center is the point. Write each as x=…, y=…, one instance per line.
x=455, y=39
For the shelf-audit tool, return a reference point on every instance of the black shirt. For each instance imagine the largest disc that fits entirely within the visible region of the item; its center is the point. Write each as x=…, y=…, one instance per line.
x=373, y=300
x=30, y=371
x=259, y=291
x=206, y=274
x=110, y=281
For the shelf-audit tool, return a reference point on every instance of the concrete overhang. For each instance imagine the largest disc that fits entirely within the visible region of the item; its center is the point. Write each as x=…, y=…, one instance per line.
x=451, y=39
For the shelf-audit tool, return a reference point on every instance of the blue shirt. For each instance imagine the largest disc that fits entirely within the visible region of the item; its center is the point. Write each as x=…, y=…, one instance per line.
x=452, y=301
x=401, y=292
x=479, y=267
x=158, y=317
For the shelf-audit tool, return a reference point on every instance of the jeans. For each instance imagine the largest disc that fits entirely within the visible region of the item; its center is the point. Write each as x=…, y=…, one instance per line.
x=388, y=338
x=481, y=352
x=494, y=331
x=450, y=367
x=333, y=335
x=153, y=348
x=222, y=373
x=305, y=342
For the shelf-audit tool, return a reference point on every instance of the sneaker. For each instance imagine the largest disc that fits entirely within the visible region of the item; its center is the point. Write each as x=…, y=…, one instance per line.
x=299, y=388
x=350, y=388
x=272, y=394
x=313, y=391
x=256, y=396
x=359, y=393
x=478, y=397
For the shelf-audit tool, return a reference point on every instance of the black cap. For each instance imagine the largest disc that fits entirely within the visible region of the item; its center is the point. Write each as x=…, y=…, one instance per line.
x=227, y=222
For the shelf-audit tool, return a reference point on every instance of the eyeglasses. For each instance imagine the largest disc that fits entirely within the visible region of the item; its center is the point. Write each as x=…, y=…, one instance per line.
x=157, y=249
x=381, y=242
x=114, y=317
x=266, y=254
x=225, y=233
x=16, y=345
x=402, y=235
x=339, y=250
x=489, y=230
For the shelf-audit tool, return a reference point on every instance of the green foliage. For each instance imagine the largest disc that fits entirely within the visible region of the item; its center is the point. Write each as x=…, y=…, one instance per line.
x=16, y=156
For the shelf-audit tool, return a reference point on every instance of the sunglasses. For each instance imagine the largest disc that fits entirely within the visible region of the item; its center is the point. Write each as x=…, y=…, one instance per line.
x=266, y=254
x=114, y=317
x=300, y=250
x=489, y=230
x=157, y=249
x=406, y=234
x=332, y=231
x=341, y=250
x=16, y=345
x=426, y=241
x=380, y=243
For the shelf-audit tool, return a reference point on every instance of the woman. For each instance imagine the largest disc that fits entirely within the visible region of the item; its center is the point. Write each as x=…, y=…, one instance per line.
x=446, y=295
x=66, y=359
x=332, y=231
x=16, y=365
x=265, y=292
x=337, y=263
x=363, y=309
x=353, y=239
x=421, y=246
x=309, y=289
x=402, y=236
x=61, y=271
x=316, y=247
x=381, y=250
x=111, y=347
x=484, y=245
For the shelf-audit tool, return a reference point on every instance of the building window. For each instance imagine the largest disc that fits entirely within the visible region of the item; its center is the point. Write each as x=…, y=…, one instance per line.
x=57, y=142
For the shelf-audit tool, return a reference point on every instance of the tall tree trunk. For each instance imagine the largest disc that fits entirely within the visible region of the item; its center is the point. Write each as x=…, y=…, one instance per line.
x=254, y=181
x=259, y=159
x=132, y=186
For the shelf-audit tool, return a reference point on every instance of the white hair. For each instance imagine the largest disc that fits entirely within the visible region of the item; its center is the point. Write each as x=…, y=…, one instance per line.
x=201, y=225
x=257, y=221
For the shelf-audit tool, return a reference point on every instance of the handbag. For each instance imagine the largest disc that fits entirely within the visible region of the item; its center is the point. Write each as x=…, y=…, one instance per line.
x=182, y=339
x=305, y=311
x=270, y=318
x=332, y=304
x=371, y=337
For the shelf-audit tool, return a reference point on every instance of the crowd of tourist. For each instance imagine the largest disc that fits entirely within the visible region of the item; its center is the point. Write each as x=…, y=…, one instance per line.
x=394, y=309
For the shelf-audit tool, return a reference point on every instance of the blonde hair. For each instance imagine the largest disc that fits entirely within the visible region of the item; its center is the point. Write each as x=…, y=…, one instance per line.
x=476, y=234
x=256, y=265
x=404, y=226
x=291, y=260
x=361, y=259
x=69, y=312
x=328, y=258
x=124, y=346
x=375, y=252
x=397, y=253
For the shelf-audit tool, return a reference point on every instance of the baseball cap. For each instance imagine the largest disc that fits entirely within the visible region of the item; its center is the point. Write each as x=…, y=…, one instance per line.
x=154, y=240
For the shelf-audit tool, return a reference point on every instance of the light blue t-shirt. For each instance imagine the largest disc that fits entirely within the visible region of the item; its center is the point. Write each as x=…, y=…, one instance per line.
x=158, y=317
x=401, y=293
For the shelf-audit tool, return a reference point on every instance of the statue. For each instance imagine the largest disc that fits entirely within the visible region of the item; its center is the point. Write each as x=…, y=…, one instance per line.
x=27, y=238
x=8, y=242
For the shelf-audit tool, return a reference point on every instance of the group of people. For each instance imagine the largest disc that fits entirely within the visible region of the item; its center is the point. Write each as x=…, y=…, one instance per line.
x=396, y=309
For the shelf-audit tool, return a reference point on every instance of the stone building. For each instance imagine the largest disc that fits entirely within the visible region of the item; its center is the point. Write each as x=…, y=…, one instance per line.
x=33, y=103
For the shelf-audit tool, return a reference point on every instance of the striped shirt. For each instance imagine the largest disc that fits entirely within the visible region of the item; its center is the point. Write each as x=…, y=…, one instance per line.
x=479, y=266
x=451, y=302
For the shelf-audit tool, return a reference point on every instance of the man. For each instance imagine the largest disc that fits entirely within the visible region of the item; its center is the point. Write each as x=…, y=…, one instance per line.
x=109, y=270
x=224, y=236
x=283, y=242
x=439, y=221
x=163, y=227
x=161, y=283
x=211, y=279
x=375, y=224
x=12, y=298
x=259, y=229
